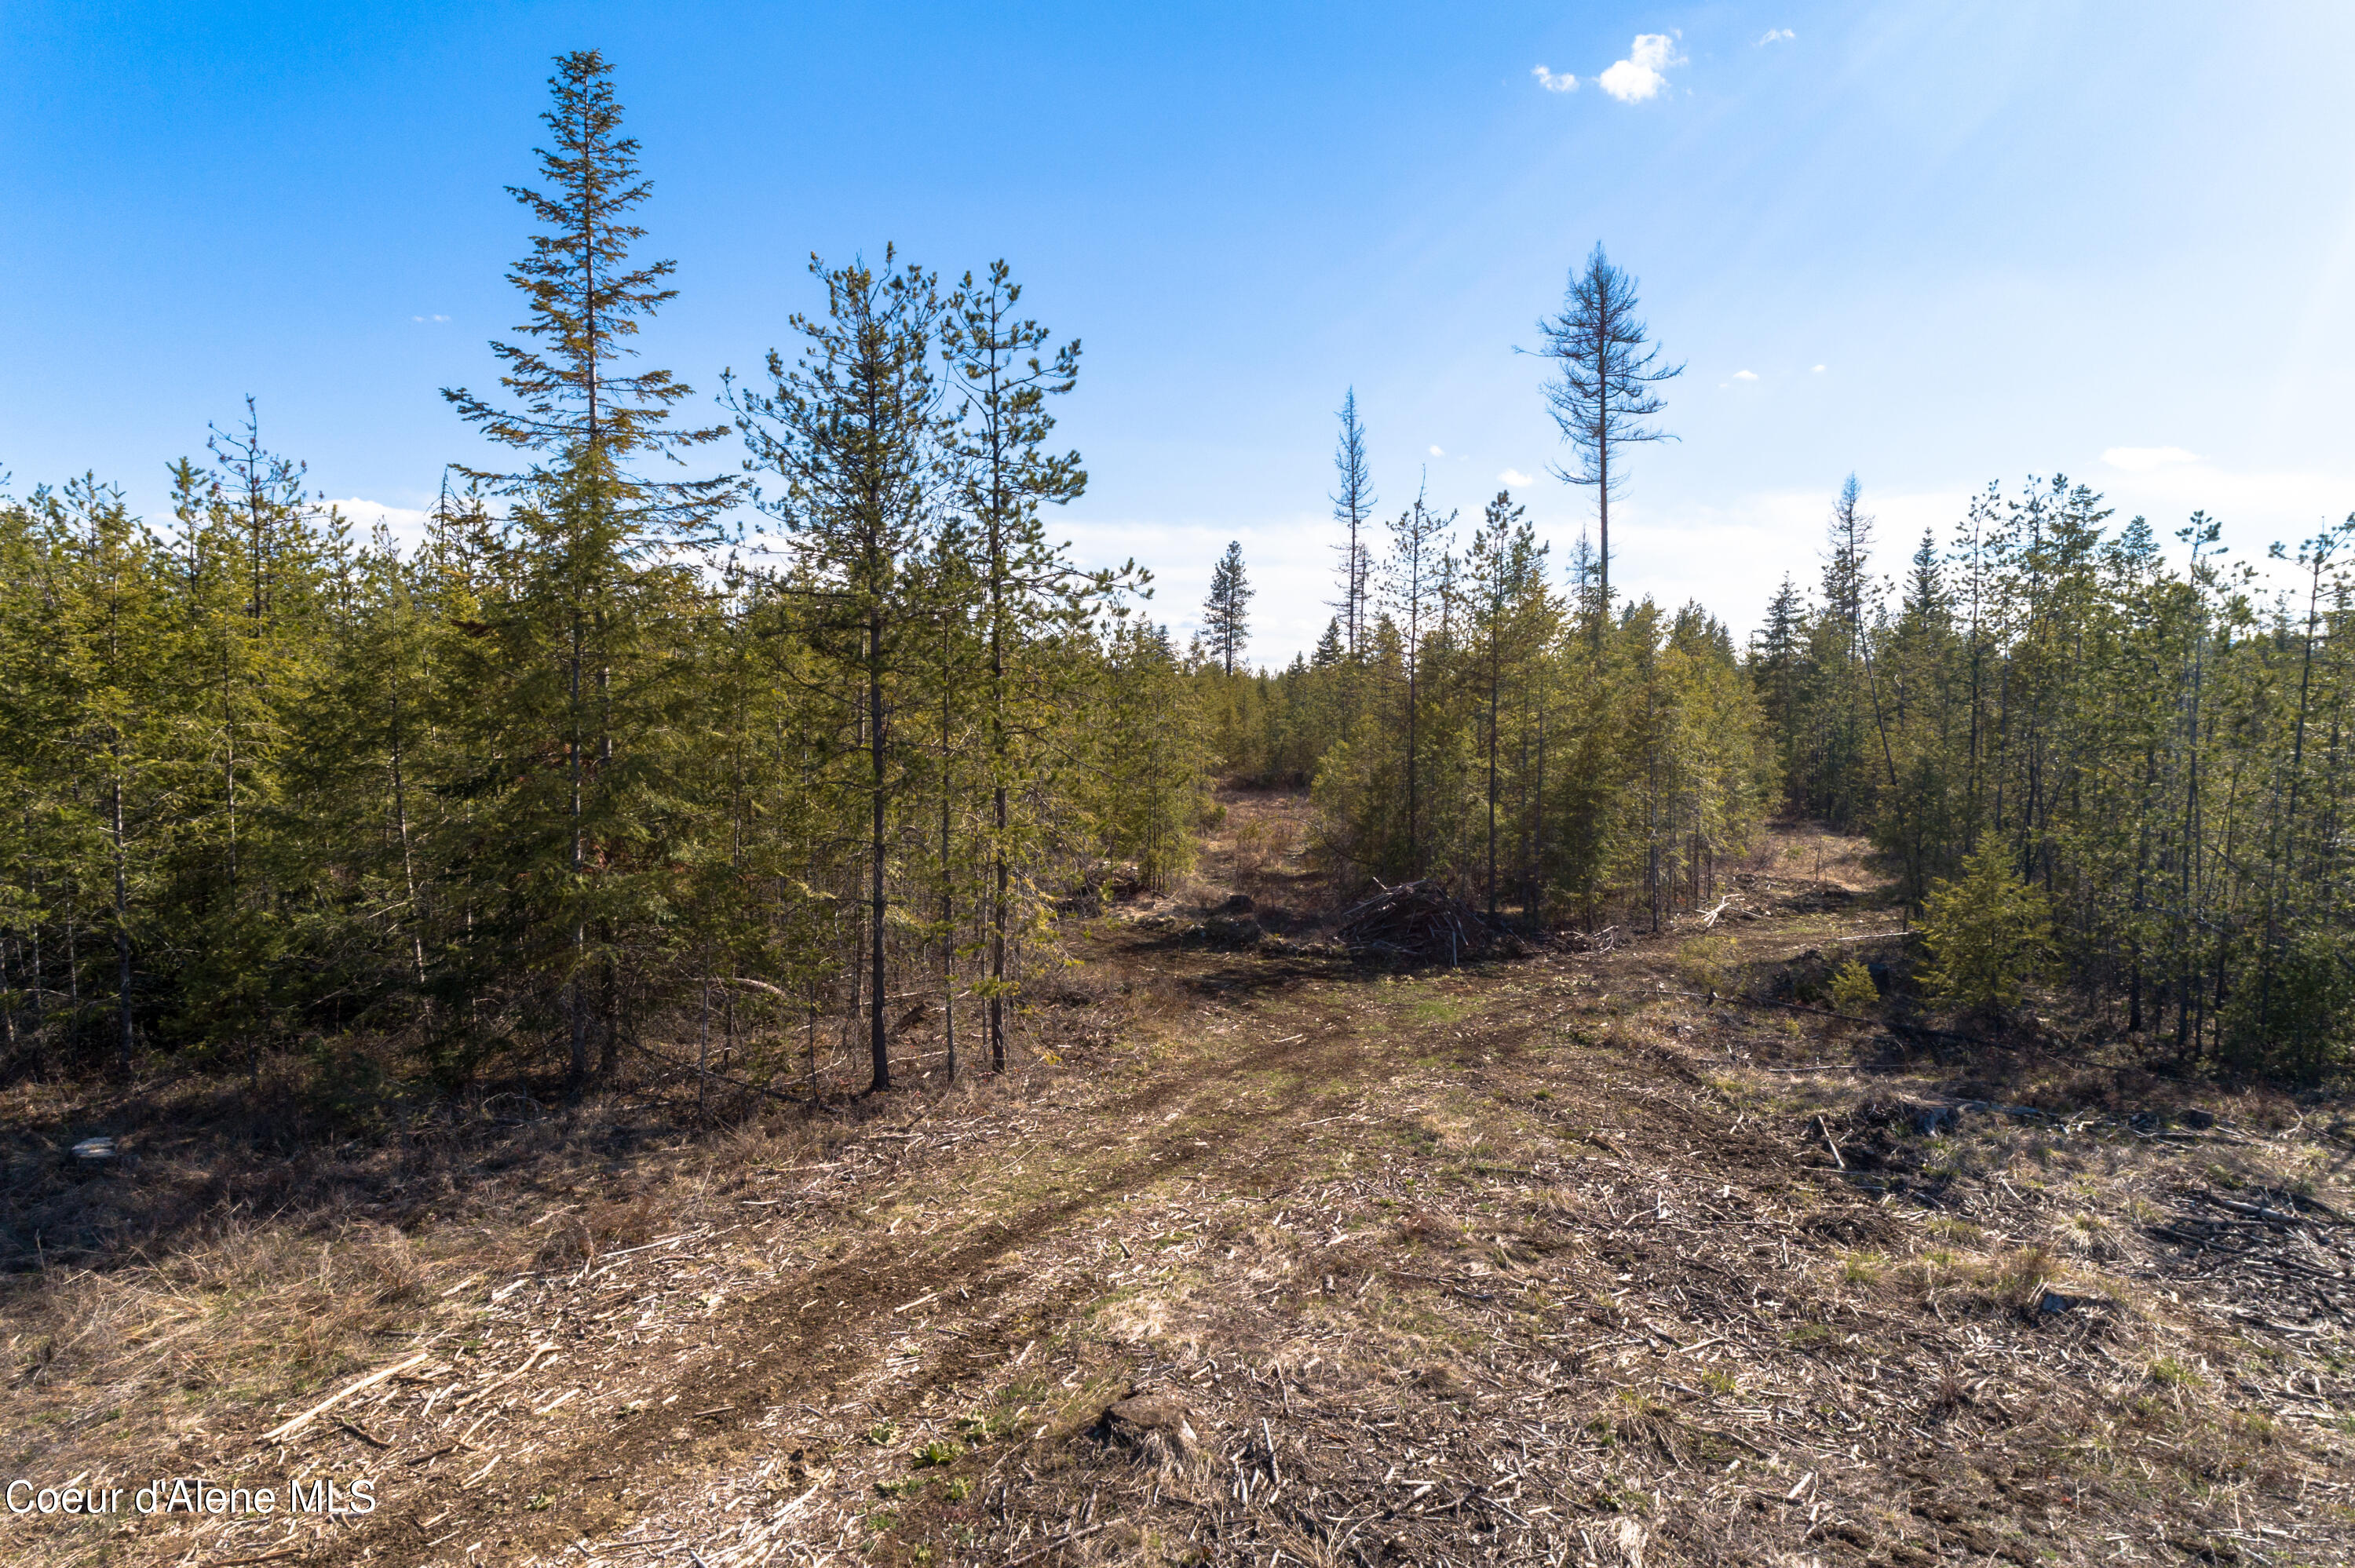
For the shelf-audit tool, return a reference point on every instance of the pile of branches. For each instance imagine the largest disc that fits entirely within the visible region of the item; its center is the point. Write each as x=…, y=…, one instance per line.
x=1420, y=921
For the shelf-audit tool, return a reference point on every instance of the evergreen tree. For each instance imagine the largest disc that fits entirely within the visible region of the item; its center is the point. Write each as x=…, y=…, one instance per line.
x=116, y=817
x=579, y=406
x=587, y=527
x=1510, y=620
x=1353, y=508
x=855, y=430
x=1226, y=614
x=1032, y=590
x=1603, y=387
x=1418, y=563
x=1148, y=755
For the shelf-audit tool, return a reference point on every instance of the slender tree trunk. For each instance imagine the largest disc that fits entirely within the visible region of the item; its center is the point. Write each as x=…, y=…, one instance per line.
x=997, y=946
x=7, y=950
x=812, y=1040
x=609, y=1049
x=1001, y=868
x=703, y=1050
x=948, y=928
x=2186, y=1005
x=122, y=934
x=408, y=861
x=877, y=1042
x=1413, y=771
x=1536, y=836
x=1603, y=486
x=576, y=1013
x=40, y=1013
x=2142, y=867
x=1496, y=680
x=73, y=977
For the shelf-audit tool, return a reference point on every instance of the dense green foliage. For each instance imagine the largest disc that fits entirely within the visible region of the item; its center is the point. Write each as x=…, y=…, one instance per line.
x=575, y=762
x=1536, y=753
x=2061, y=722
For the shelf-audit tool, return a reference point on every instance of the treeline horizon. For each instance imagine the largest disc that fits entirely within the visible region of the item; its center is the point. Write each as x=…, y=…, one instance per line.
x=578, y=776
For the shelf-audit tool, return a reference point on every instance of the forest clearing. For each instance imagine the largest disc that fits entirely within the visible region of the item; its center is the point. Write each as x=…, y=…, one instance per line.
x=724, y=984
x=1548, y=1259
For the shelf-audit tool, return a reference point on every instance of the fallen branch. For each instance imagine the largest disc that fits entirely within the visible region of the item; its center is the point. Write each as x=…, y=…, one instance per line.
x=362, y=1432
x=1445, y=1284
x=278, y=1433
x=1063, y=1539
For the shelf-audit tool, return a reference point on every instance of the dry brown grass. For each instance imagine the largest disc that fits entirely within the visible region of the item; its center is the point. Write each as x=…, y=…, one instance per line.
x=1541, y=1263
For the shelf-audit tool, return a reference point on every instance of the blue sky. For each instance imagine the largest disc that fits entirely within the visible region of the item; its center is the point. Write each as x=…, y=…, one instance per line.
x=2116, y=240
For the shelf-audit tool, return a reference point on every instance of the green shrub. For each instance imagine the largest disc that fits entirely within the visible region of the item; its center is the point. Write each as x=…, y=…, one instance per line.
x=1989, y=935
x=1702, y=961
x=1852, y=989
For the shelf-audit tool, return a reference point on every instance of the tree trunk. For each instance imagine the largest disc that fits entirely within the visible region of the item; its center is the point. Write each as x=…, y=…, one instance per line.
x=575, y=1015
x=122, y=934
x=877, y=1042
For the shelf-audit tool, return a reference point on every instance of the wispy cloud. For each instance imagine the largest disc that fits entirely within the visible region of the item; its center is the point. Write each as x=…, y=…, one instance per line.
x=1777, y=35
x=1565, y=82
x=1436, y=452
x=1514, y=476
x=1818, y=370
x=2142, y=460
x=1745, y=376
x=2256, y=506
x=1643, y=73
x=429, y=318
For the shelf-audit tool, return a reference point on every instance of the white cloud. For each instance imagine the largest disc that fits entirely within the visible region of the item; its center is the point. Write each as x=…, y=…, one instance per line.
x=2257, y=505
x=1819, y=370
x=1639, y=76
x=406, y=524
x=1729, y=553
x=1436, y=452
x=1565, y=82
x=2142, y=460
x=429, y=318
x=1289, y=558
x=1777, y=35
x=1745, y=376
x=2167, y=484
x=1514, y=476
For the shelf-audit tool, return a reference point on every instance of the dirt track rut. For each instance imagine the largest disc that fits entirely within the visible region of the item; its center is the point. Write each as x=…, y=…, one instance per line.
x=776, y=1351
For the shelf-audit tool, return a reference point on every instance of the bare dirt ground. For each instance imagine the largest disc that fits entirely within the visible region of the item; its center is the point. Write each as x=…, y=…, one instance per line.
x=1549, y=1261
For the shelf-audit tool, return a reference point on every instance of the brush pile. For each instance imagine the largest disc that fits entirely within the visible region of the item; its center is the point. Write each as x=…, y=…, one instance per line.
x=1421, y=921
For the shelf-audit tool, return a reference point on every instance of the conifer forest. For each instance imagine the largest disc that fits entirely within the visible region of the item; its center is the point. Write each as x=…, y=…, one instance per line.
x=600, y=764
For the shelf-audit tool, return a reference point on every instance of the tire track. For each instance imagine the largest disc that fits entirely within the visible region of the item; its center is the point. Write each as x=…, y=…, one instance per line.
x=767, y=1351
